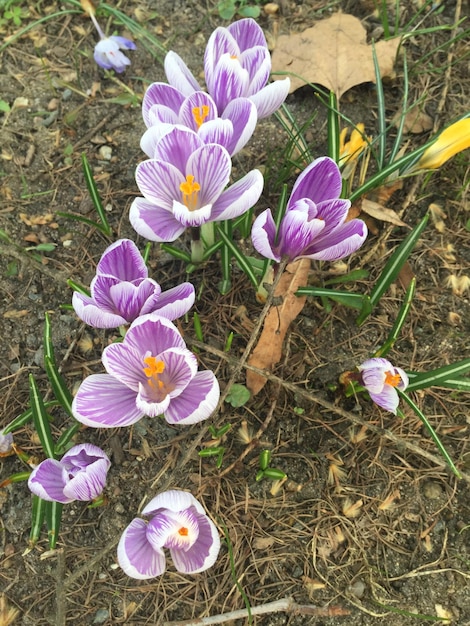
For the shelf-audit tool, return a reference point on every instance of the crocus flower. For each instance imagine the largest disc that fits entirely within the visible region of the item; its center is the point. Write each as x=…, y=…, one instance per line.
x=163, y=104
x=237, y=64
x=121, y=291
x=184, y=186
x=108, y=50
x=177, y=521
x=6, y=444
x=150, y=373
x=314, y=224
x=79, y=475
x=382, y=379
x=452, y=140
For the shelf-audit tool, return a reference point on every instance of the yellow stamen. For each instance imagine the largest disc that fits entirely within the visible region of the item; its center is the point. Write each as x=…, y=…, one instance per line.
x=184, y=532
x=189, y=190
x=357, y=143
x=153, y=371
x=200, y=114
x=392, y=379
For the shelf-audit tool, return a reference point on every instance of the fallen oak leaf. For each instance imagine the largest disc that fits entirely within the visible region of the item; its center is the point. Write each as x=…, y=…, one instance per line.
x=334, y=53
x=380, y=212
x=268, y=350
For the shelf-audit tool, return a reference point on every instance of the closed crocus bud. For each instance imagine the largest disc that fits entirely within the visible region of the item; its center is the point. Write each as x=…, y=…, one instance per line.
x=382, y=379
x=452, y=140
x=175, y=521
x=79, y=475
x=108, y=53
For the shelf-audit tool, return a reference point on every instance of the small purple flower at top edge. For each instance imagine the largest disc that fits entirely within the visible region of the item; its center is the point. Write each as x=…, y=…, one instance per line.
x=150, y=373
x=79, y=475
x=165, y=105
x=382, y=379
x=184, y=186
x=314, y=223
x=178, y=522
x=6, y=444
x=108, y=53
x=237, y=64
x=121, y=291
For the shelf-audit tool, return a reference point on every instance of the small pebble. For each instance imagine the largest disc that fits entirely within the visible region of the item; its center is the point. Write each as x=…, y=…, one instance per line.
x=432, y=490
x=105, y=153
x=101, y=616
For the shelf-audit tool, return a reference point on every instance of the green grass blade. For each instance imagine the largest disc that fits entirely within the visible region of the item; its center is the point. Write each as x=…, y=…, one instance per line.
x=53, y=519
x=212, y=250
x=333, y=128
x=382, y=135
x=40, y=418
x=240, y=258
x=85, y=220
x=393, y=266
x=401, y=317
x=440, y=376
x=65, y=438
x=353, y=300
x=404, y=108
x=35, y=24
x=58, y=385
x=38, y=512
x=350, y=277
x=226, y=256
x=176, y=252
x=95, y=196
x=432, y=432
x=77, y=287
x=48, y=345
x=25, y=417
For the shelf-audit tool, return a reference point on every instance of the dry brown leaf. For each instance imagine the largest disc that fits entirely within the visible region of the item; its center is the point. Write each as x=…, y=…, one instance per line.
x=268, y=350
x=416, y=121
x=379, y=212
x=334, y=53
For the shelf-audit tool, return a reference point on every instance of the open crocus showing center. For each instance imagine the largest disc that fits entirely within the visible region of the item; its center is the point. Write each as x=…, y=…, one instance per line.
x=150, y=373
x=382, y=379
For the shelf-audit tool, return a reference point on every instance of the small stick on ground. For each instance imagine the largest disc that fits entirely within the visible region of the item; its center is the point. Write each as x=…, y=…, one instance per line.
x=286, y=605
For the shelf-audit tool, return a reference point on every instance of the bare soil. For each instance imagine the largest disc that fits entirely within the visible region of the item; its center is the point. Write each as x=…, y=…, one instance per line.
x=370, y=527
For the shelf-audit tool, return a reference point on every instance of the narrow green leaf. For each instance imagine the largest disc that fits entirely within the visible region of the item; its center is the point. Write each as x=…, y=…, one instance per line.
x=274, y=474
x=404, y=109
x=333, y=128
x=48, y=345
x=53, y=519
x=240, y=258
x=176, y=252
x=432, y=432
x=439, y=377
x=401, y=317
x=38, y=512
x=77, y=287
x=354, y=300
x=198, y=327
x=18, y=477
x=64, y=439
x=41, y=419
x=351, y=277
x=226, y=256
x=95, y=196
x=25, y=417
x=382, y=134
x=393, y=266
x=85, y=220
x=59, y=386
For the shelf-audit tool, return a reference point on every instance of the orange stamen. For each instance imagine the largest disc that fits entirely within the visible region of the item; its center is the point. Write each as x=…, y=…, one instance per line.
x=184, y=532
x=392, y=379
x=154, y=369
x=200, y=114
x=189, y=190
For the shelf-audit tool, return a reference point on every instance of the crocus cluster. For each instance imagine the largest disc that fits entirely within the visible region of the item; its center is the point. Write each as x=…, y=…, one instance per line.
x=192, y=134
x=382, y=379
x=176, y=521
x=314, y=224
x=79, y=475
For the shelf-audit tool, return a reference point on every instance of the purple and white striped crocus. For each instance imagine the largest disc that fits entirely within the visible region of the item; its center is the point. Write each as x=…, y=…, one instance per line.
x=6, y=444
x=121, y=291
x=382, y=379
x=178, y=522
x=314, y=224
x=237, y=64
x=79, y=475
x=184, y=186
x=163, y=104
x=150, y=373
x=108, y=53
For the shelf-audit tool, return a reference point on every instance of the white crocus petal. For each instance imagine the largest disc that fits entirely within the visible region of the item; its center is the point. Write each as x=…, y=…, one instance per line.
x=270, y=98
x=136, y=556
x=179, y=75
x=174, y=500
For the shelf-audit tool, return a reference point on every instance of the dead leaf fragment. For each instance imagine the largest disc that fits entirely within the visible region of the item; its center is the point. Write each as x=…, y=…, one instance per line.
x=416, y=120
x=268, y=351
x=380, y=212
x=334, y=53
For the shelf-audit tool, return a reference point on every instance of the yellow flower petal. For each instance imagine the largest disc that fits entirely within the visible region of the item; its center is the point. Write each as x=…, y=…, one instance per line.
x=452, y=140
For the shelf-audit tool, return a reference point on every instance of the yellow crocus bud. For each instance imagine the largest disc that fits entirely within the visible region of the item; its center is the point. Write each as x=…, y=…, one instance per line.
x=452, y=140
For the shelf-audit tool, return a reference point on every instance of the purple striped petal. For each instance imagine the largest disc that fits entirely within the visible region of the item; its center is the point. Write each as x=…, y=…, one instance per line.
x=191, y=218
x=247, y=33
x=174, y=500
x=320, y=181
x=153, y=222
x=159, y=528
x=203, y=553
x=160, y=114
x=179, y=75
x=239, y=197
x=197, y=402
x=161, y=94
x=151, y=407
x=387, y=399
x=338, y=244
x=92, y=315
x=152, y=136
x=242, y=113
x=257, y=61
x=136, y=556
x=269, y=99
x=176, y=146
x=123, y=260
x=159, y=182
x=89, y=483
x=47, y=481
x=218, y=131
x=297, y=233
x=199, y=100
x=220, y=42
x=104, y=402
x=186, y=521
x=231, y=81
x=154, y=334
x=126, y=364
x=175, y=302
x=263, y=236
x=333, y=212
x=211, y=167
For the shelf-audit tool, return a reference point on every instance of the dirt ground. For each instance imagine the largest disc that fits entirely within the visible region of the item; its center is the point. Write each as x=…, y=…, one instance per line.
x=370, y=527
